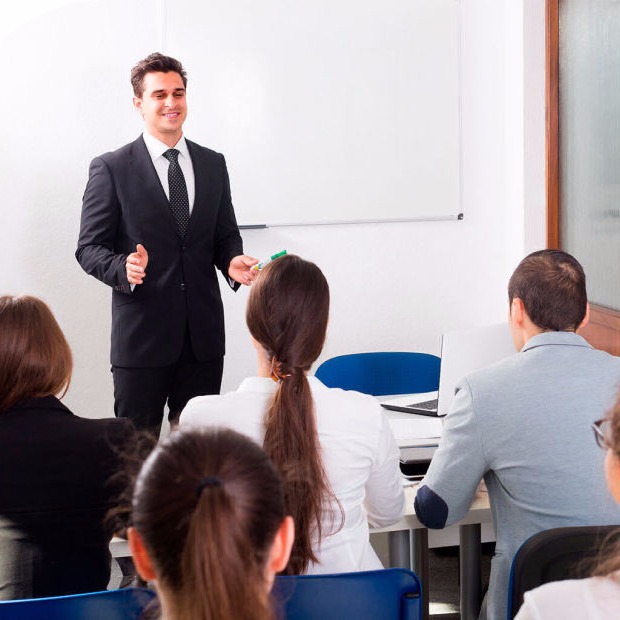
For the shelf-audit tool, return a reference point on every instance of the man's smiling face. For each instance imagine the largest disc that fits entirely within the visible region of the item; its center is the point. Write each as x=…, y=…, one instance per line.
x=163, y=106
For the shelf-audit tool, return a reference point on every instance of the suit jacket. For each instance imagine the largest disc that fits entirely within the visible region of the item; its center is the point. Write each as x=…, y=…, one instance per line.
x=55, y=491
x=524, y=425
x=125, y=204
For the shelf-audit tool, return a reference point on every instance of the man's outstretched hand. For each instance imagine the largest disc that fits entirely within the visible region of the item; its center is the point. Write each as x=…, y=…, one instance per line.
x=136, y=265
x=240, y=269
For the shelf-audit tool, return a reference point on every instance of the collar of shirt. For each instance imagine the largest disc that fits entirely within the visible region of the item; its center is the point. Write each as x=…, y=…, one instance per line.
x=156, y=148
x=556, y=338
x=269, y=386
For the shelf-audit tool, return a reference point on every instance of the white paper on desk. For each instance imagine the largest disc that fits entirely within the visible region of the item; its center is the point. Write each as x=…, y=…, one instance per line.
x=416, y=431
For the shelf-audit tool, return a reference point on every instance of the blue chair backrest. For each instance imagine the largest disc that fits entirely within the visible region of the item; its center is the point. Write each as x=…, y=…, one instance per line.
x=389, y=594
x=380, y=374
x=124, y=604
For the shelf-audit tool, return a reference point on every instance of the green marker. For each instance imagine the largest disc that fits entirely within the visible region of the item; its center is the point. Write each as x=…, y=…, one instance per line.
x=266, y=262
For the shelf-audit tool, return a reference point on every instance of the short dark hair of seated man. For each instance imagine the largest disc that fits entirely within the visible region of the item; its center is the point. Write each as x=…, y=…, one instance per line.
x=552, y=286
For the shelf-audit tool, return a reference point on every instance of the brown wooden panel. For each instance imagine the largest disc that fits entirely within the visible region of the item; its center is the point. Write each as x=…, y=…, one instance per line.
x=603, y=329
x=552, y=130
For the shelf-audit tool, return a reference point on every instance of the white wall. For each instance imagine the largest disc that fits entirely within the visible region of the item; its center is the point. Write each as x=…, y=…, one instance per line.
x=394, y=286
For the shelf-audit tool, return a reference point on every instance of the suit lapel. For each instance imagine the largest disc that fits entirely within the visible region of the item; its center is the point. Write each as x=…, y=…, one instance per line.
x=202, y=182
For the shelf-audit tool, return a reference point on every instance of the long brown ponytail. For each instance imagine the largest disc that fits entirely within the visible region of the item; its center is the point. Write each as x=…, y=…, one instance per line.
x=207, y=505
x=287, y=314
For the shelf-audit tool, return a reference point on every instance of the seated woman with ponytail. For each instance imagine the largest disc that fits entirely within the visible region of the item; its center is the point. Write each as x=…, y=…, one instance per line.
x=334, y=449
x=209, y=526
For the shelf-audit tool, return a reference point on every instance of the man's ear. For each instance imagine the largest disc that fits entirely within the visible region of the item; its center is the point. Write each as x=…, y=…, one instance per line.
x=586, y=318
x=140, y=555
x=137, y=104
x=517, y=312
x=281, y=547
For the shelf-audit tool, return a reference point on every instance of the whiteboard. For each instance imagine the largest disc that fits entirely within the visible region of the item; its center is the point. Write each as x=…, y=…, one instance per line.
x=326, y=110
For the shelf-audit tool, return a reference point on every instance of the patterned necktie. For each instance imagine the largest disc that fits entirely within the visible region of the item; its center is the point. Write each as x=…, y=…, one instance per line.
x=179, y=202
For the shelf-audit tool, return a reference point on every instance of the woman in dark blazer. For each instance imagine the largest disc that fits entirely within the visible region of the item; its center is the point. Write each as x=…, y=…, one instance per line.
x=55, y=467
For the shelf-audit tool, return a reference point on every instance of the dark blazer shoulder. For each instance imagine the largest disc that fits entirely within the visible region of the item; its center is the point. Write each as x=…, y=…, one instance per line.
x=203, y=151
x=137, y=148
x=114, y=431
x=43, y=406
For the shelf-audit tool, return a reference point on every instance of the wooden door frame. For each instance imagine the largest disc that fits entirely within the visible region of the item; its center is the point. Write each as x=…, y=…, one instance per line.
x=603, y=328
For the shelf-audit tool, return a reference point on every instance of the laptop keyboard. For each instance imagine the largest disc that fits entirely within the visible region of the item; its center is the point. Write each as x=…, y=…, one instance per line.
x=427, y=405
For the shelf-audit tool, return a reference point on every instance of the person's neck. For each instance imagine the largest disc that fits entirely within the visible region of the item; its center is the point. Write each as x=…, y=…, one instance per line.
x=529, y=334
x=263, y=364
x=166, y=605
x=525, y=330
x=171, y=142
x=169, y=139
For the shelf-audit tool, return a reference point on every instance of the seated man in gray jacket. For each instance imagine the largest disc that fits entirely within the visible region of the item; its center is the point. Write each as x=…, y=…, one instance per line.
x=523, y=425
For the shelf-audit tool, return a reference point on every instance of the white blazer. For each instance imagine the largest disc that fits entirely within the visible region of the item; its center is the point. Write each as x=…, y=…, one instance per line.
x=360, y=457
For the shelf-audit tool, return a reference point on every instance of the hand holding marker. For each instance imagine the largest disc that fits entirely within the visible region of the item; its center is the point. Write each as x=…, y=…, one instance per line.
x=260, y=265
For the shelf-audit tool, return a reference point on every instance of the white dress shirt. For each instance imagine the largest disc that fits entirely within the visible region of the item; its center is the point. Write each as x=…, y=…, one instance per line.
x=360, y=457
x=157, y=149
x=596, y=598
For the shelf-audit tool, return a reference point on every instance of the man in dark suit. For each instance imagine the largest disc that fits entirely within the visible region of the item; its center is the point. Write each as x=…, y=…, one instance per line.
x=157, y=218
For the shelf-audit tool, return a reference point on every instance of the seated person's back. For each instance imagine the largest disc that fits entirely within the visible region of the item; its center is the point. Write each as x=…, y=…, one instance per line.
x=524, y=424
x=55, y=467
x=334, y=447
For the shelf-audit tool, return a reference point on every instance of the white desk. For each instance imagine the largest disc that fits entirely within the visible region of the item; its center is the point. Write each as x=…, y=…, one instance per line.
x=408, y=542
x=479, y=512
x=417, y=436
x=411, y=429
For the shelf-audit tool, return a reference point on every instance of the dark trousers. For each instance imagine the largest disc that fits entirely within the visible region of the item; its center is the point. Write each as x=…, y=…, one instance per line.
x=142, y=393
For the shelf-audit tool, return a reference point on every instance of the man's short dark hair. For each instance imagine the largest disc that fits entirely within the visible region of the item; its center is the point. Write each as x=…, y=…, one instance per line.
x=552, y=286
x=151, y=64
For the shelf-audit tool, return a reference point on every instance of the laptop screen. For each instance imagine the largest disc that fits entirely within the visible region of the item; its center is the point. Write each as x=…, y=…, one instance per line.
x=464, y=351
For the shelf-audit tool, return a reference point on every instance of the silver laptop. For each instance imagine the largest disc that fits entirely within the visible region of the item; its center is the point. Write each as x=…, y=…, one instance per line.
x=462, y=352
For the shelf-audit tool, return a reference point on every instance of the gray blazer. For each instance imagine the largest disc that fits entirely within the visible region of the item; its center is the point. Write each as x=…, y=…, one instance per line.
x=524, y=426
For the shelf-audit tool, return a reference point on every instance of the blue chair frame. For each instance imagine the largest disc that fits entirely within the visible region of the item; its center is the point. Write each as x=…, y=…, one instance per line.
x=123, y=604
x=389, y=594
x=382, y=373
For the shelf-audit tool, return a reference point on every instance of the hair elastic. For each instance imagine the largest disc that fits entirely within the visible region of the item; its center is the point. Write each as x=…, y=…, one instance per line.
x=276, y=371
x=208, y=481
